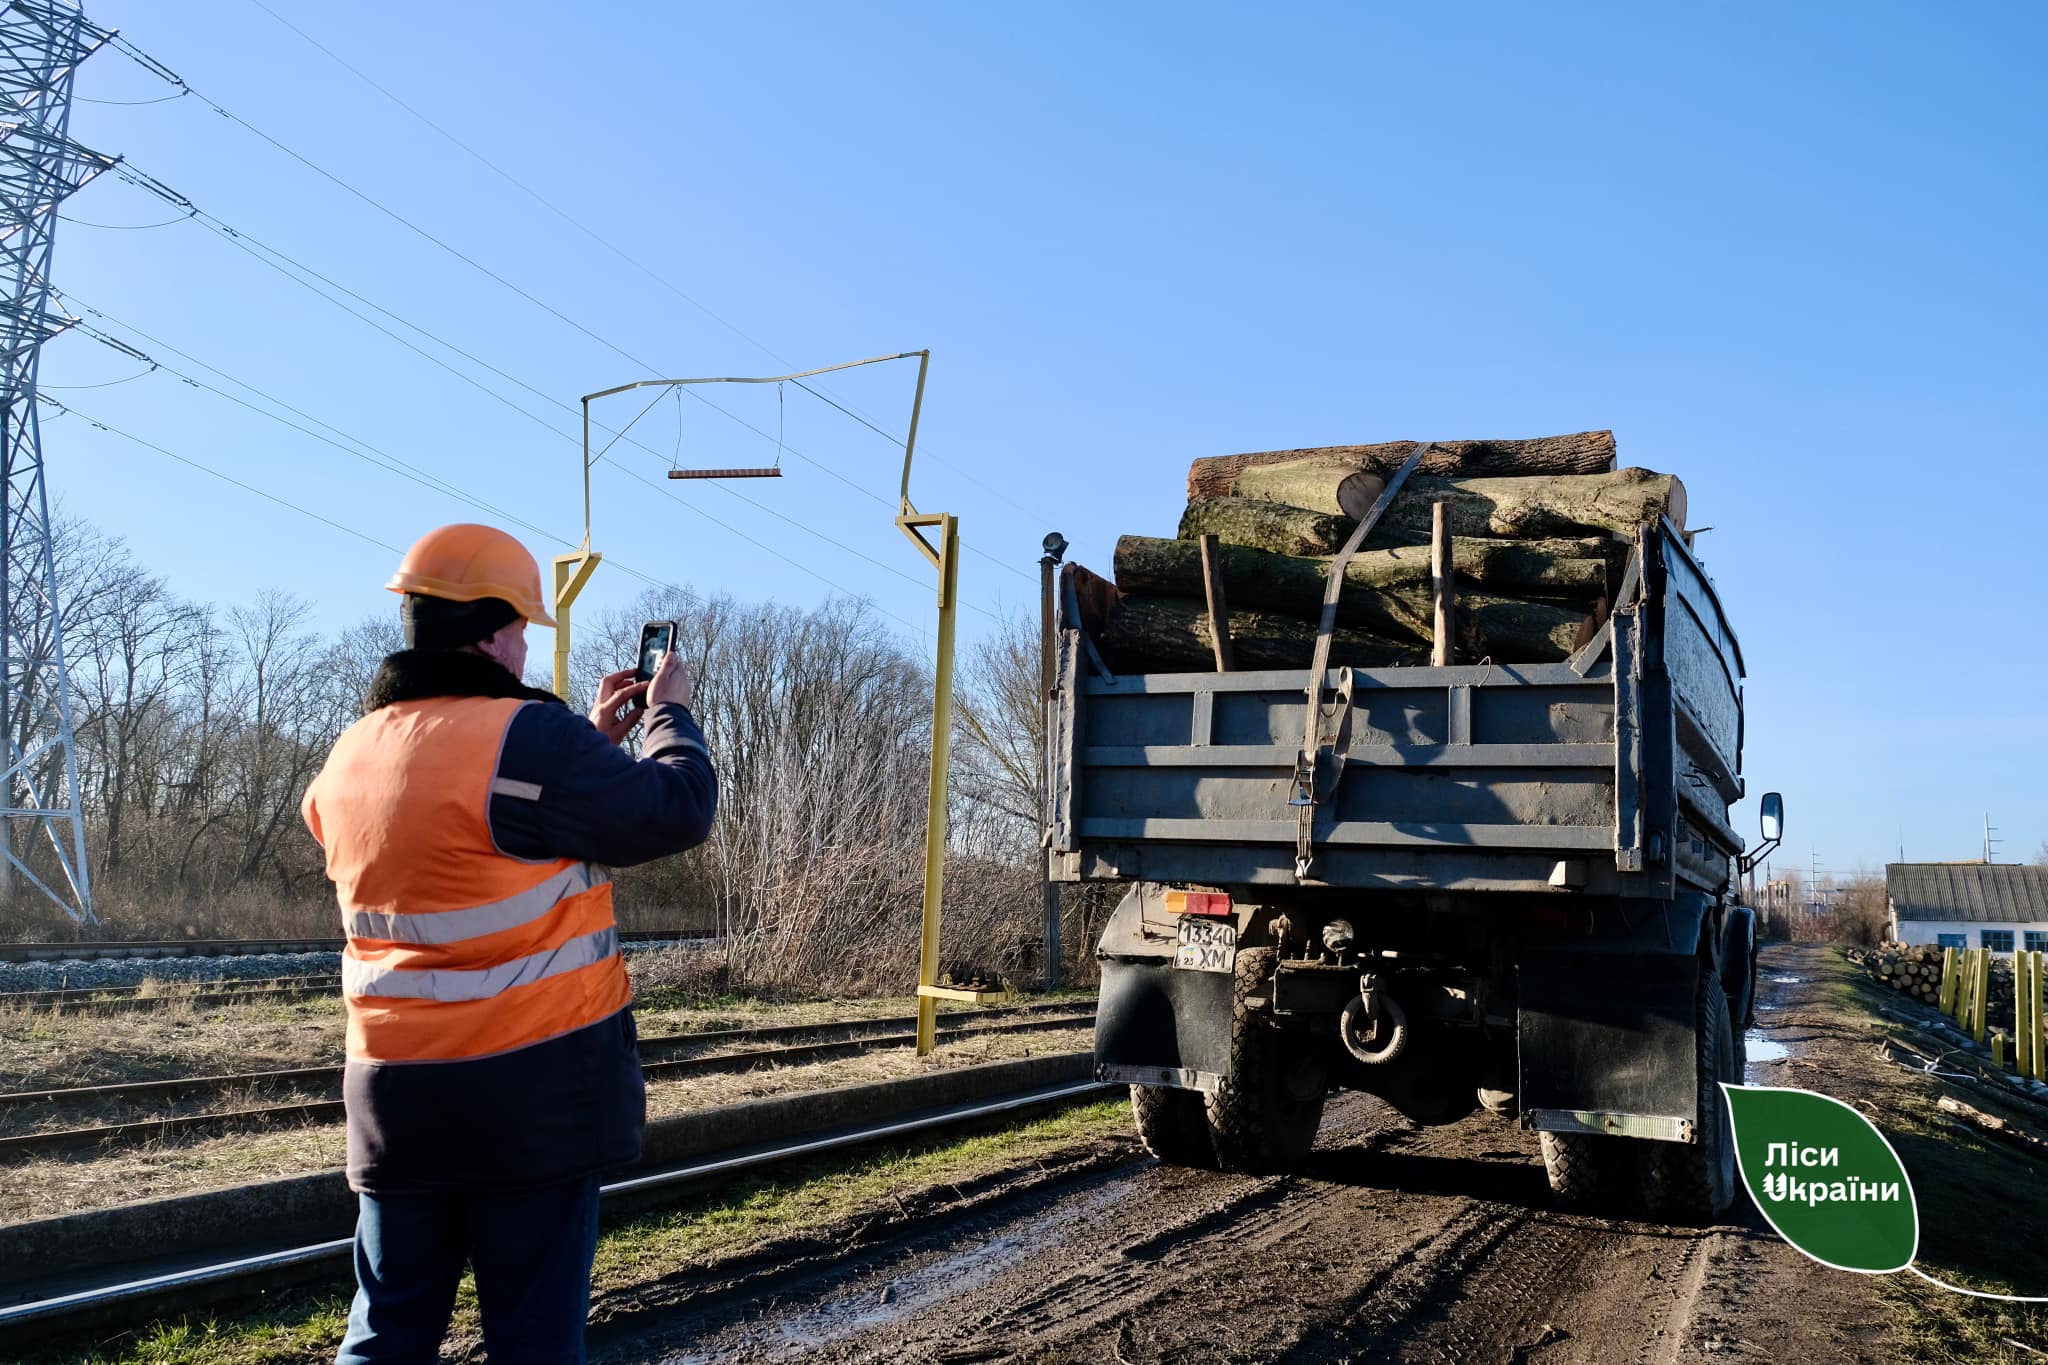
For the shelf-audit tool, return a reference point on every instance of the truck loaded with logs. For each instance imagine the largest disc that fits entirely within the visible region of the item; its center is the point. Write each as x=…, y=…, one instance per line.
x=1416, y=761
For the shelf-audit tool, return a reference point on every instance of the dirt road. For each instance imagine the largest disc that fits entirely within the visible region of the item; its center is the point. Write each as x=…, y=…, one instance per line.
x=1396, y=1243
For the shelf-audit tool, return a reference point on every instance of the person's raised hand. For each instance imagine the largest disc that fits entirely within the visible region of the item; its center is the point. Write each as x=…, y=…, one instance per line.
x=672, y=681
x=621, y=701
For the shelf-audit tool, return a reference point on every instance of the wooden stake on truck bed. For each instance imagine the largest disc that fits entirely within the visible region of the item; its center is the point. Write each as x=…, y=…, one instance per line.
x=1219, y=608
x=1440, y=577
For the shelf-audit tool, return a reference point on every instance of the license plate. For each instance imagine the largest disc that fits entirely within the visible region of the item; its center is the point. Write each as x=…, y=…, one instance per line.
x=1206, y=945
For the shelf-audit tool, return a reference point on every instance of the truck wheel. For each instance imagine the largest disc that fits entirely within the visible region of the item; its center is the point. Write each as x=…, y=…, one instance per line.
x=1264, y=1115
x=1581, y=1168
x=1694, y=1181
x=1173, y=1125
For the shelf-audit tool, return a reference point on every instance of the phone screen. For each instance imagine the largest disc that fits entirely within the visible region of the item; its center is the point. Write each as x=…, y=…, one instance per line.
x=656, y=639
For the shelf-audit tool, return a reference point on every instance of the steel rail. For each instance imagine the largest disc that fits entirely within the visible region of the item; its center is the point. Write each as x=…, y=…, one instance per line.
x=326, y=1111
x=55, y=1309
x=114, y=999
x=658, y=1045
x=245, y=947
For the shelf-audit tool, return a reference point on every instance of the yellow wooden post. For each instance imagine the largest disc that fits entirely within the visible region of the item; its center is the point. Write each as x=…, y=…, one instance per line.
x=2022, y=1023
x=1983, y=995
x=1951, y=983
x=1998, y=1048
x=2034, y=1016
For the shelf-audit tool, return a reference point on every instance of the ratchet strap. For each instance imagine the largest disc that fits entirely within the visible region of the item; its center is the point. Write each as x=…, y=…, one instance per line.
x=1314, y=736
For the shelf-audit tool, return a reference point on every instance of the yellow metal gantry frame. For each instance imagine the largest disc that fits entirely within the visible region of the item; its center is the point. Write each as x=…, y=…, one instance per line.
x=944, y=557
x=573, y=570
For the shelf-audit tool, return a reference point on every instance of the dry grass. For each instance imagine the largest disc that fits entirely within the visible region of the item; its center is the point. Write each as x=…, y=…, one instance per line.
x=43, y=1049
x=303, y=1328
x=85, y=1180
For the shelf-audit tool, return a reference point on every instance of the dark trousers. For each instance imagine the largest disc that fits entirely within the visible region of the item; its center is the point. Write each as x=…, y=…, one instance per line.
x=531, y=1250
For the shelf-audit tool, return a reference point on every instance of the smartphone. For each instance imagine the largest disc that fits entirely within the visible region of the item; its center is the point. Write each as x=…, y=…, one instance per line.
x=656, y=639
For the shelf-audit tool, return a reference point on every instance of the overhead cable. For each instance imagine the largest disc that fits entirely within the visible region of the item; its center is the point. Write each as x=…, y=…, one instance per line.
x=594, y=235
x=165, y=73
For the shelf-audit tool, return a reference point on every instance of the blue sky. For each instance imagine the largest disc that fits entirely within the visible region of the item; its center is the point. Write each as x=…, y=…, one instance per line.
x=1792, y=254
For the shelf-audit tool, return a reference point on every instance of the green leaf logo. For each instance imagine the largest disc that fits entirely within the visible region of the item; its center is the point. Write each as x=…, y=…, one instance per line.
x=1826, y=1179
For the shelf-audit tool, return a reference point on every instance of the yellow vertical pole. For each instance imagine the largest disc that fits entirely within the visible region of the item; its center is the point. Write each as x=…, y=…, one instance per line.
x=1983, y=993
x=935, y=811
x=2022, y=1026
x=1998, y=1048
x=1951, y=983
x=572, y=571
x=2034, y=1016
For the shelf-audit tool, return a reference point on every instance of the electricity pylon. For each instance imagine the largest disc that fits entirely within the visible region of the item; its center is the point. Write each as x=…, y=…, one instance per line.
x=41, y=44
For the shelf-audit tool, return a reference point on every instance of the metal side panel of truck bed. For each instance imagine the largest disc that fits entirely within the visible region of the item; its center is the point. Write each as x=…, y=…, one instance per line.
x=1609, y=776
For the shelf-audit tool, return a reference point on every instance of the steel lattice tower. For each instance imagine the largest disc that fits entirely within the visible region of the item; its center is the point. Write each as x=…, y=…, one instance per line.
x=41, y=44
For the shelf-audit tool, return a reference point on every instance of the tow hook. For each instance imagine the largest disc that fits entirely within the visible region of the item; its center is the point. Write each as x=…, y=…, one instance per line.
x=1373, y=1025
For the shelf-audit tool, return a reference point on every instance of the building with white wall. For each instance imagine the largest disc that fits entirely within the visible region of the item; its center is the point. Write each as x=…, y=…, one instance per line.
x=2000, y=906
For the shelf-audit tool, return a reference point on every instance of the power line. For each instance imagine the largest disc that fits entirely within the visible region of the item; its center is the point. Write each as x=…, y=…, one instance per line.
x=163, y=72
x=224, y=478
x=404, y=469
x=594, y=235
x=264, y=253
x=381, y=458
x=121, y=227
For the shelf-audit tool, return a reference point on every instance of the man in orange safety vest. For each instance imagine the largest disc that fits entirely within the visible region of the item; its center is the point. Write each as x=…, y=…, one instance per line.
x=493, y=1070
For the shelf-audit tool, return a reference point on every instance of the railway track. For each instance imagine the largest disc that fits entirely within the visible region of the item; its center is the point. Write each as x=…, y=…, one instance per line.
x=823, y=1042
x=124, y=1297
x=154, y=995
x=242, y=947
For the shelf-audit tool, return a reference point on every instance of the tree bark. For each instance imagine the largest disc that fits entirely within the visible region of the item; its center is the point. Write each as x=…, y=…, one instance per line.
x=1268, y=525
x=1585, y=452
x=1320, y=485
x=1565, y=505
x=1255, y=577
x=1145, y=634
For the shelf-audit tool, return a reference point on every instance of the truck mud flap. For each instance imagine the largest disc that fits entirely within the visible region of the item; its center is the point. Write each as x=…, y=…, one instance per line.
x=1156, y=1024
x=1607, y=1043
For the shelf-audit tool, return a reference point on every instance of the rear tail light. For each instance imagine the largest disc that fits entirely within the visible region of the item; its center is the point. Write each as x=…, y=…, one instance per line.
x=1198, y=903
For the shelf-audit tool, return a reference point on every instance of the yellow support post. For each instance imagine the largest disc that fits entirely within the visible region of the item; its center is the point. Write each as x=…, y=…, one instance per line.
x=935, y=810
x=572, y=571
x=1981, y=993
x=945, y=558
x=1998, y=1048
x=1951, y=983
x=2022, y=1025
x=2034, y=1016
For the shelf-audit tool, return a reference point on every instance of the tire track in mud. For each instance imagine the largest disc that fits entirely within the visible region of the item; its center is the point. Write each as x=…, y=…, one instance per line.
x=1393, y=1244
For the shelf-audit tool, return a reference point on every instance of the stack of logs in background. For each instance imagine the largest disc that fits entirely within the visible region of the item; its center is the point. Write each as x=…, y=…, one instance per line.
x=1915, y=970
x=1538, y=533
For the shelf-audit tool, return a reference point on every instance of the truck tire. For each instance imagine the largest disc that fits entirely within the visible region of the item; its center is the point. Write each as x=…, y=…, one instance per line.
x=1263, y=1117
x=1173, y=1125
x=1693, y=1182
x=1581, y=1168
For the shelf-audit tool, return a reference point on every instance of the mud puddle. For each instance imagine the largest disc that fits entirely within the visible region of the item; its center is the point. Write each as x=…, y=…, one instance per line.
x=1762, y=1049
x=911, y=1292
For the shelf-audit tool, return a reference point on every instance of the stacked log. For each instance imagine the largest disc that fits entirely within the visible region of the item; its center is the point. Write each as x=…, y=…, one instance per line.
x=1540, y=532
x=1915, y=970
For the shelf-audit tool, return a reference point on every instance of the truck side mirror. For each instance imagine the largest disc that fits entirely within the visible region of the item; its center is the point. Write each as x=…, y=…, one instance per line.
x=1773, y=816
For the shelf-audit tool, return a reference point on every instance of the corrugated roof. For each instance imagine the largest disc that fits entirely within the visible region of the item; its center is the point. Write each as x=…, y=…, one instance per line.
x=1987, y=892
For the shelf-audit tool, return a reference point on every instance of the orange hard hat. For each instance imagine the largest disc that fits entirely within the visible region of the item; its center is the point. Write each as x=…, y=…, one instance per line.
x=466, y=563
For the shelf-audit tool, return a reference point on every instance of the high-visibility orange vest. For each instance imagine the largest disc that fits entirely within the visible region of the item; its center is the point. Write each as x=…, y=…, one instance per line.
x=455, y=950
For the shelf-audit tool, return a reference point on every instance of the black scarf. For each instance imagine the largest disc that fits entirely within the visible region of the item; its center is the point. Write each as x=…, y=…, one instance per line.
x=415, y=674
